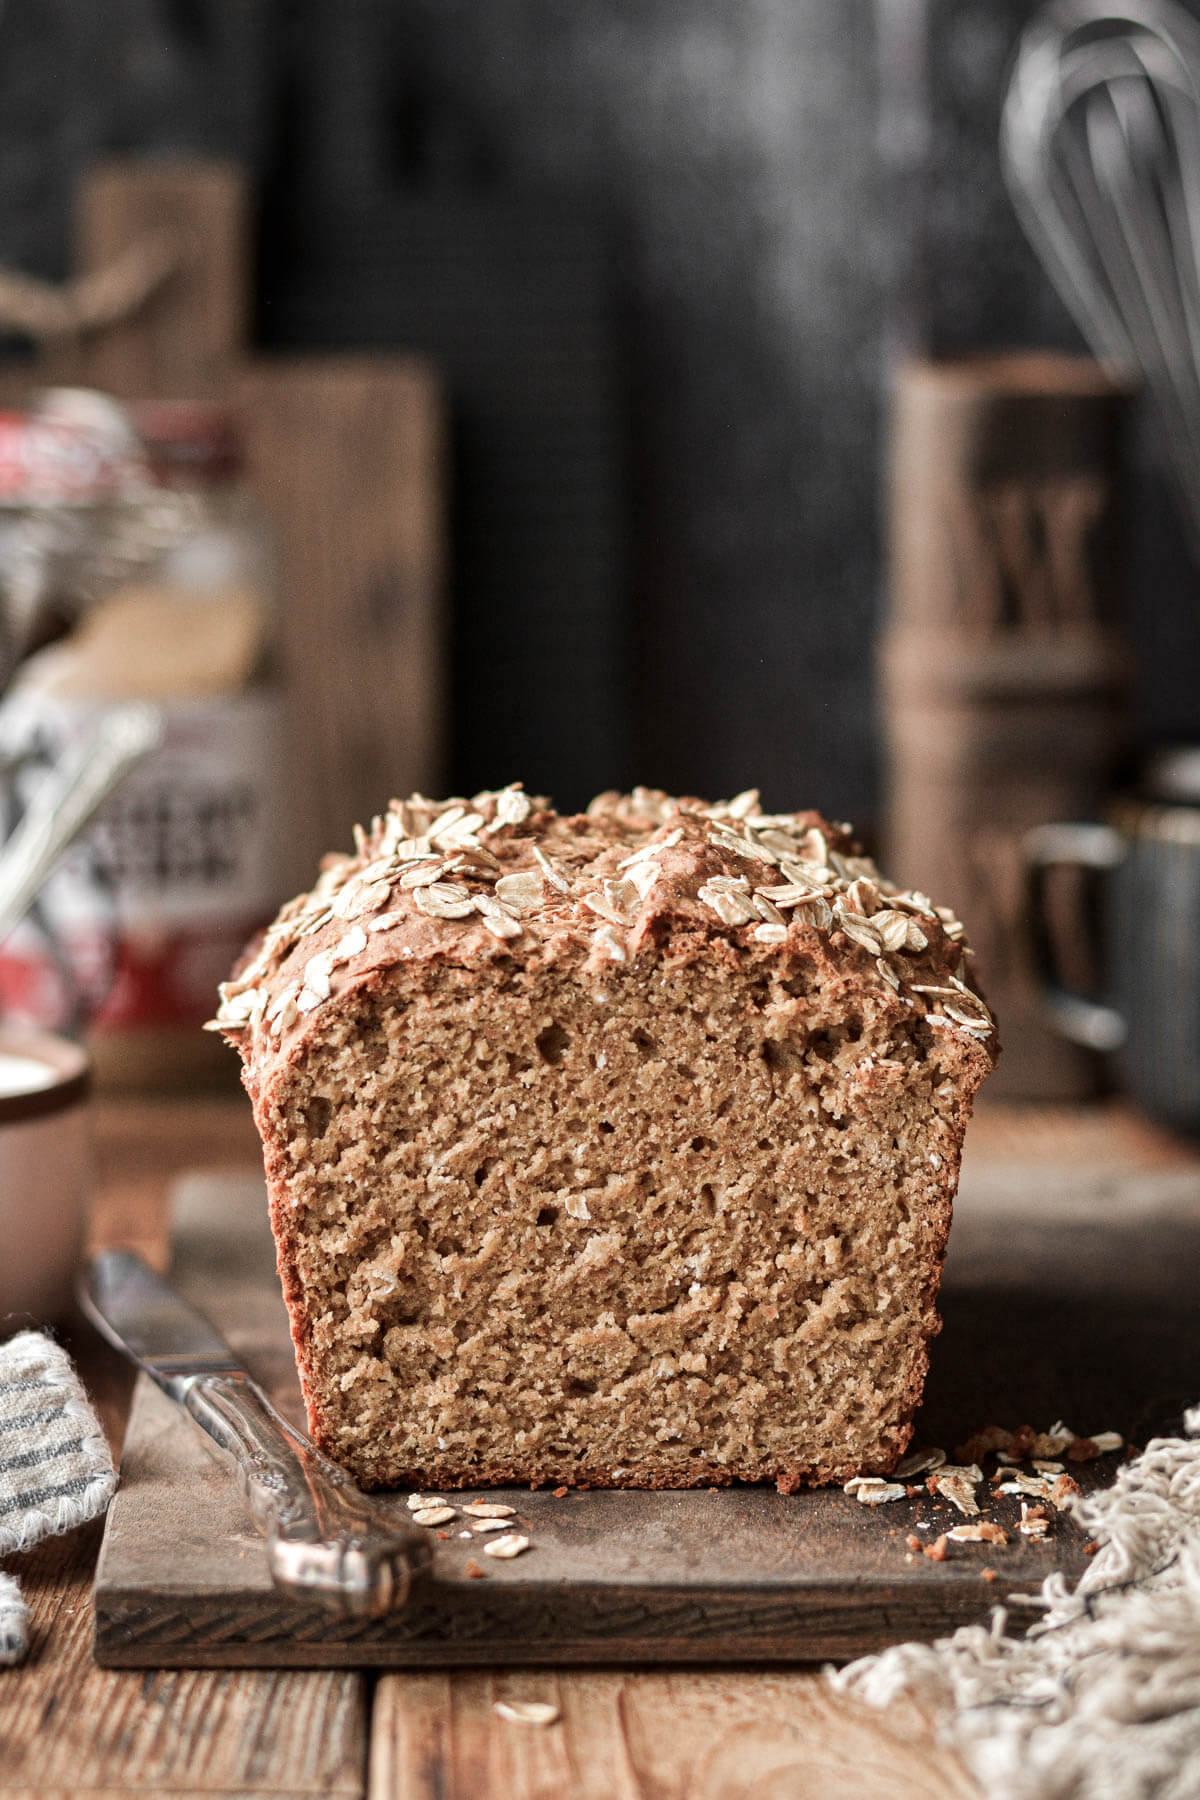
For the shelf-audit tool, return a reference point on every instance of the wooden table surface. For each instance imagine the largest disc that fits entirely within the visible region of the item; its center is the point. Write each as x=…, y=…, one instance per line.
x=69, y=1728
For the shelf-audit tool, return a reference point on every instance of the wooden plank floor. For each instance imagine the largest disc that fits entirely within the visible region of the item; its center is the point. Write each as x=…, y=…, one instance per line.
x=713, y=1735
x=68, y=1728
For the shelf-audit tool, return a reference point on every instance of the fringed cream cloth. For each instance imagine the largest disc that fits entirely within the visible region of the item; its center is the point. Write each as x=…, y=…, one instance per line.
x=1101, y=1700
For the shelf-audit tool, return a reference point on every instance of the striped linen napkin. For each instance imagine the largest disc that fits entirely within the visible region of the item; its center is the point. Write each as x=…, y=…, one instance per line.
x=55, y=1467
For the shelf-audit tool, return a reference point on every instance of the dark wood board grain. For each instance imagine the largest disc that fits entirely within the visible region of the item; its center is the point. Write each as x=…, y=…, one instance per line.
x=1066, y=1295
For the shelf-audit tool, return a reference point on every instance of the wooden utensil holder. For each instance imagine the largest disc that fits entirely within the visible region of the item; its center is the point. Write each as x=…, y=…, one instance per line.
x=1002, y=667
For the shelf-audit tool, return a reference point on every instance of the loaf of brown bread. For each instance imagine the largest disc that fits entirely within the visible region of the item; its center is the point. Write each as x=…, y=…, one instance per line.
x=615, y=1148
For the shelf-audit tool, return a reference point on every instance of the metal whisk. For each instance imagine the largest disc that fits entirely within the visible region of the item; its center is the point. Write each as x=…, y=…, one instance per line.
x=1101, y=149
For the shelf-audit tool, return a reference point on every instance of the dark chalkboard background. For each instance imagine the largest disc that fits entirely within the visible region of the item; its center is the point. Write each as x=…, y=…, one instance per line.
x=769, y=199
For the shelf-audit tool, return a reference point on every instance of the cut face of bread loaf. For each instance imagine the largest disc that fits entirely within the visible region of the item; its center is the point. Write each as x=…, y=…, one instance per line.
x=613, y=1149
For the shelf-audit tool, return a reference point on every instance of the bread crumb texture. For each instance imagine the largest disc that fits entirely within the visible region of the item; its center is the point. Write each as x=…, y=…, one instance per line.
x=616, y=1148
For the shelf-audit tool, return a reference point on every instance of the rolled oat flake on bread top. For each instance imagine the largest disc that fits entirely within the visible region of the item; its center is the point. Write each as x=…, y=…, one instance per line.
x=615, y=1148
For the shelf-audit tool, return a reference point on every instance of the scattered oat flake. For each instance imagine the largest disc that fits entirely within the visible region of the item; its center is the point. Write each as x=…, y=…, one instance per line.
x=919, y=1462
x=445, y=900
x=604, y=909
x=1034, y=1522
x=386, y=921
x=527, y=1712
x=316, y=975
x=489, y=1525
x=862, y=896
x=240, y=1006
x=1048, y=1468
x=892, y=928
x=512, y=807
x=817, y=913
x=522, y=890
x=553, y=875
x=889, y=974
x=878, y=1493
x=859, y=932
x=498, y=923
x=371, y=895
x=1086, y=1449
x=433, y=1515
x=282, y=1001
x=956, y=1488
x=1058, y=1490
x=423, y=874
x=986, y=1532
x=489, y=1509
x=417, y=1502
x=731, y=908
x=507, y=1547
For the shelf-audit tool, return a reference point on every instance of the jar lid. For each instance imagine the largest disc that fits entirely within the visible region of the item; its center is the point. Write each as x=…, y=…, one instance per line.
x=39, y=1074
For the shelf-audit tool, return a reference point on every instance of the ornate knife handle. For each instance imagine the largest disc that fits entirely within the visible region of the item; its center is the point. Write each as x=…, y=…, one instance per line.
x=325, y=1539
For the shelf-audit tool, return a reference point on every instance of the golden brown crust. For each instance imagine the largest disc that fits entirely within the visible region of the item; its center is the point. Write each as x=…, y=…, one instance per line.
x=505, y=876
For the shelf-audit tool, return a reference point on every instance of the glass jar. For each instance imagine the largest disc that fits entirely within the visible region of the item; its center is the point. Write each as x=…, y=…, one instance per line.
x=150, y=910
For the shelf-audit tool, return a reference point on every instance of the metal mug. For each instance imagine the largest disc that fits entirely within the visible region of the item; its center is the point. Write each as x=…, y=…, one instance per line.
x=1143, y=918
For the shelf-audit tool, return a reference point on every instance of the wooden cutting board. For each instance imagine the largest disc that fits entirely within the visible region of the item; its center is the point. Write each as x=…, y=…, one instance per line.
x=1067, y=1295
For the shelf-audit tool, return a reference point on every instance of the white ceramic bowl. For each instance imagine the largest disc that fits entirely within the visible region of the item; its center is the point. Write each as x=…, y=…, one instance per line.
x=45, y=1174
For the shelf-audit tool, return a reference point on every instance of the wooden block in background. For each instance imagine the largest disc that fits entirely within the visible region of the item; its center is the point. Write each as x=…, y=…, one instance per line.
x=347, y=455
x=1003, y=674
x=190, y=334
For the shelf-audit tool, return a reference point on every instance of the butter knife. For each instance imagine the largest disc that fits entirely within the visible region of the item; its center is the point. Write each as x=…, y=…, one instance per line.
x=326, y=1540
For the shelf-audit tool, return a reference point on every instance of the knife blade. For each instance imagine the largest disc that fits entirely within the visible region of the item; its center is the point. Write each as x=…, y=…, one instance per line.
x=326, y=1540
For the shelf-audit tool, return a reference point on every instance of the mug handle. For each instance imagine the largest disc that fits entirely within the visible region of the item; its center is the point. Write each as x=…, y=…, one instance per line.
x=1093, y=848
